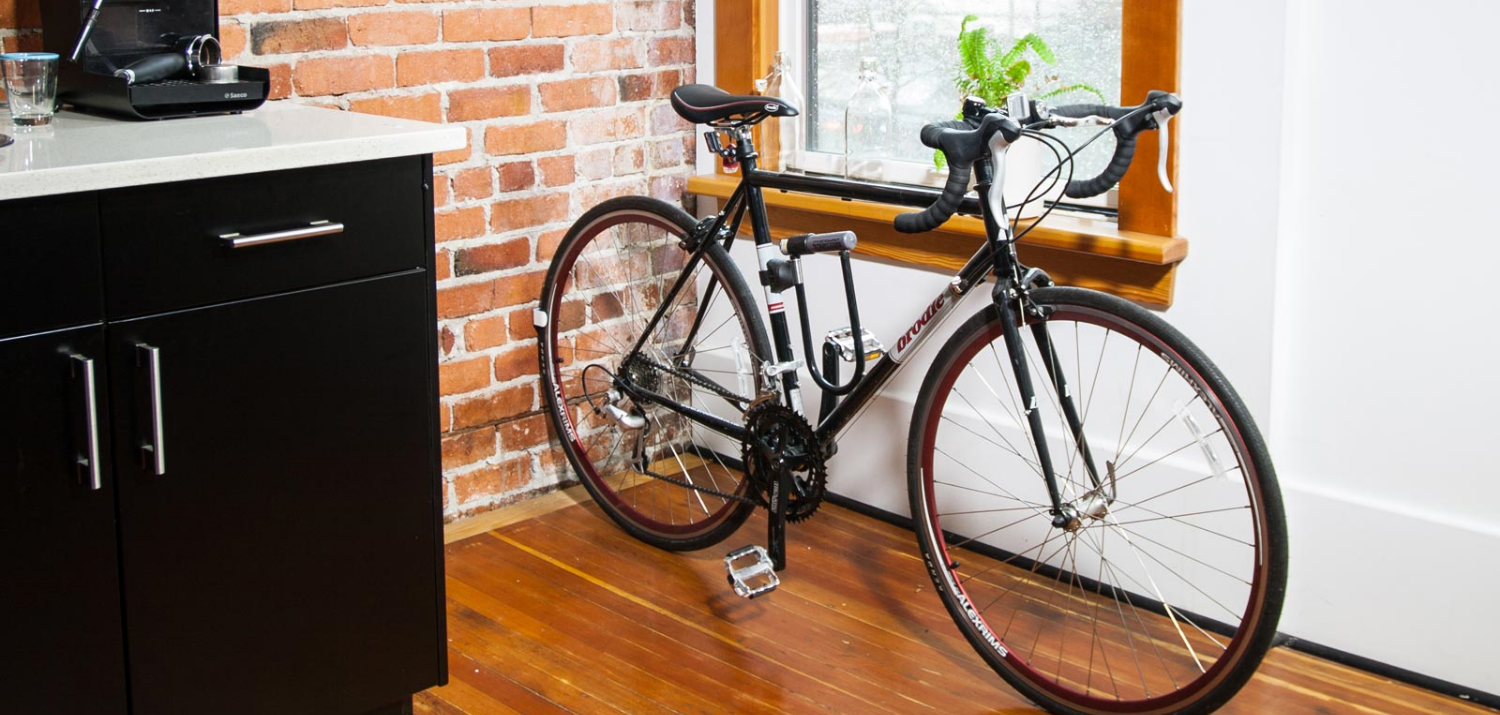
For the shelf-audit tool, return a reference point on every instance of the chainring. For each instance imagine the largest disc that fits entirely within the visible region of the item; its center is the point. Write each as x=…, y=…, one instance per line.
x=782, y=439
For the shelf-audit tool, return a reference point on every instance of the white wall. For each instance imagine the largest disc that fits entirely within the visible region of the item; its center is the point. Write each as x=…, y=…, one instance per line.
x=1300, y=158
x=1384, y=360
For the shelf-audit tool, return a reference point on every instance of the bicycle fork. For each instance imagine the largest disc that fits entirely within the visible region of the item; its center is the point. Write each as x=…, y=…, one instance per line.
x=1064, y=394
x=1010, y=302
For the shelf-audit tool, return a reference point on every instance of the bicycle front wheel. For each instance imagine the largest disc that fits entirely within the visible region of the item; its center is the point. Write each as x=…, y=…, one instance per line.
x=621, y=278
x=1158, y=586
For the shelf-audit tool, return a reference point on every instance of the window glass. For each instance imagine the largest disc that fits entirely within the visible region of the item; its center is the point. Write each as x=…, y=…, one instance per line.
x=916, y=47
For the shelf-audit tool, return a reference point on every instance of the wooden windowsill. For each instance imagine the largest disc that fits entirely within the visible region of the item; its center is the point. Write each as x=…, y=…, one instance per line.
x=1074, y=251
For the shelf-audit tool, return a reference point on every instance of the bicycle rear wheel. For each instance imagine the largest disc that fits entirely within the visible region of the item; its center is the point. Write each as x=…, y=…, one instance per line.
x=666, y=480
x=1161, y=591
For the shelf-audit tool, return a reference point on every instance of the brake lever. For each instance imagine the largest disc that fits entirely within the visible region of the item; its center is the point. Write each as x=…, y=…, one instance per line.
x=1162, y=116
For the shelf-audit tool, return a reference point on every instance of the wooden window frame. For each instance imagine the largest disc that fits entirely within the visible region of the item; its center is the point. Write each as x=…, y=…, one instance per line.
x=1135, y=257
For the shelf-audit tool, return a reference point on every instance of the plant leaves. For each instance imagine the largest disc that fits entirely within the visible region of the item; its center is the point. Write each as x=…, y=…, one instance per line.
x=993, y=75
x=972, y=46
x=1080, y=87
x=1032, y=42
x=1040, y=48
x=1018, y=72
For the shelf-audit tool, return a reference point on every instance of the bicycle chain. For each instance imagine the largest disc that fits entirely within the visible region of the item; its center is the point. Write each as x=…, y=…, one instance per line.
x=717, y=390
x=706, y=490
x=691, y=378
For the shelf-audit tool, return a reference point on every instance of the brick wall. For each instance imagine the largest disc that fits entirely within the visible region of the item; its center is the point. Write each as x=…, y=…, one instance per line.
x=564, y=106
x=20, y=23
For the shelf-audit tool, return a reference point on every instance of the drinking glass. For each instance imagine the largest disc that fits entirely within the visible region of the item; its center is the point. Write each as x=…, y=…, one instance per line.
x=30, y=86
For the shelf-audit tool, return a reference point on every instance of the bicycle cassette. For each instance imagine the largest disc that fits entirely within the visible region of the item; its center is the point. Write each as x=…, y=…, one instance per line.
x=781, y=439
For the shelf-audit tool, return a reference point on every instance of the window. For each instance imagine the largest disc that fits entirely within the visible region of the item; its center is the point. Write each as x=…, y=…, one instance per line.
x=1134, y=257
x=915, y=48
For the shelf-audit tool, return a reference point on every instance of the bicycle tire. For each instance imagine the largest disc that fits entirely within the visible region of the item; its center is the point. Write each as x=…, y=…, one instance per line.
x=1007, y=575
x=611, y=265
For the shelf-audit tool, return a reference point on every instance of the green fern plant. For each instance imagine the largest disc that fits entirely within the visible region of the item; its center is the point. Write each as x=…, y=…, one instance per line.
x=992, y=73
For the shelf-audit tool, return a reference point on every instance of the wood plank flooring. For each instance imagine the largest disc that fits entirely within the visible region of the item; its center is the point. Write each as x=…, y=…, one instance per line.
x=560, y=612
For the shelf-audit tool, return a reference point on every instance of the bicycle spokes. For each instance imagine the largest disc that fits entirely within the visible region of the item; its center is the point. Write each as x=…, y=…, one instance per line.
x=1143, y=573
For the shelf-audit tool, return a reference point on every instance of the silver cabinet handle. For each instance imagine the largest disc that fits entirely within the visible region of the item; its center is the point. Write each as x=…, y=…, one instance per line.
x=154, y=451
x=89, y=462
x=312, y=230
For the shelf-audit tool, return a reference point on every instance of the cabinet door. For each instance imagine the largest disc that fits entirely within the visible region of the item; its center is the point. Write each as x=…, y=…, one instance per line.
x=285, y=559
x=49, y=252
x=61, y=648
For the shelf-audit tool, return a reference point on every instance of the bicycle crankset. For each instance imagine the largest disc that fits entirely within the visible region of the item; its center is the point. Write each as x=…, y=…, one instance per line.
x=781, y=439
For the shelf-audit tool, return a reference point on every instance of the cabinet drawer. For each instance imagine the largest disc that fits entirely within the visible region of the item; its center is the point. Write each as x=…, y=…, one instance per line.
x=49, y=264
x=164, y=248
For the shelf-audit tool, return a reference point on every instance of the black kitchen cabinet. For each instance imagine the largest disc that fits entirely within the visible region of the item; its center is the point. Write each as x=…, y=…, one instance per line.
x=61, y=647
x=281, y=508
x=266, y=535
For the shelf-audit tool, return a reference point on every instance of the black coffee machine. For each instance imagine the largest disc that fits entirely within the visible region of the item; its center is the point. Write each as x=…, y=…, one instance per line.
x=146, y=59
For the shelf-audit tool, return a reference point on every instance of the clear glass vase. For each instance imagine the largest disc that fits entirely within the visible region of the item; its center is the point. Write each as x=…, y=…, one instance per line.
x=782, y=84
x=867, y=126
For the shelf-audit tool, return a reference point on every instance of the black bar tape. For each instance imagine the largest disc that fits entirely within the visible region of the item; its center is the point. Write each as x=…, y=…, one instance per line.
x=934, y=215
x=962, y=143
x=1118, y=165
x=1125, y=133
x=1126, y=130
x=932, y=132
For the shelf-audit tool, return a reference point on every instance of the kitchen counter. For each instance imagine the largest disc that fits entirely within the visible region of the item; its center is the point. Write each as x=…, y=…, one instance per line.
x=87, y=152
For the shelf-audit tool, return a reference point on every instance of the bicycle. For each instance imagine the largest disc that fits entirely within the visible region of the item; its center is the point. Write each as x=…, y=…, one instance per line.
x=1131, y=558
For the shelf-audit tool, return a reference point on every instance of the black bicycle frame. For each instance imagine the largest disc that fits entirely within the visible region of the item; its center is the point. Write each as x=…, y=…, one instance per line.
x=996, y=257
x=747, y=198
x=972, y=274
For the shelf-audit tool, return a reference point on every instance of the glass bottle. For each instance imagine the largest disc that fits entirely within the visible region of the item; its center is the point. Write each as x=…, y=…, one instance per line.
x=867, y=126
x=782, y=85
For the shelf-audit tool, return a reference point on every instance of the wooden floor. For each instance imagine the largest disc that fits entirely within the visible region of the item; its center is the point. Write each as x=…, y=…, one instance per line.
x=557, y=611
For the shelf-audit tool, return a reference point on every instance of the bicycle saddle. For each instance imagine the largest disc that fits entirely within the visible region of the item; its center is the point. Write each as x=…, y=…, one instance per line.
x=706, y=104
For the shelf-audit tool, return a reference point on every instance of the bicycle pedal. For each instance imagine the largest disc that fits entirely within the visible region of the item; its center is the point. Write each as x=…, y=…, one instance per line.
x=756, y=576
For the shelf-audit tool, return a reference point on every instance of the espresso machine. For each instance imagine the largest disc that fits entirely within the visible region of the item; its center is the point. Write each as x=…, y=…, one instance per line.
x=146, y=59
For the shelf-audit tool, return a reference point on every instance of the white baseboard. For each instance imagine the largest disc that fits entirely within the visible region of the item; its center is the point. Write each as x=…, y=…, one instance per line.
x=1395, y=585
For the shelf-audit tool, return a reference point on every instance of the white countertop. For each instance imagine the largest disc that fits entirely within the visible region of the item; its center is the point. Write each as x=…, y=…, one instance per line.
x=87, y=152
